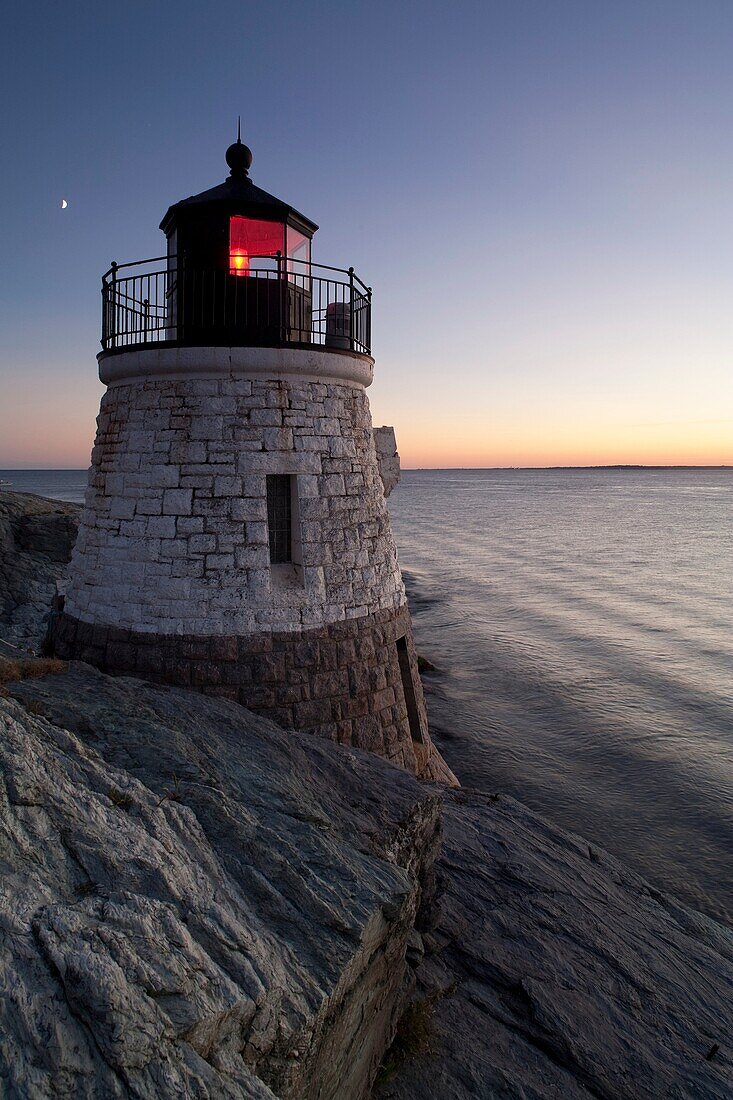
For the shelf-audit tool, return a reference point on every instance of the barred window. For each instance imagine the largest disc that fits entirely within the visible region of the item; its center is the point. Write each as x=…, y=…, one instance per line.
x=280, y=517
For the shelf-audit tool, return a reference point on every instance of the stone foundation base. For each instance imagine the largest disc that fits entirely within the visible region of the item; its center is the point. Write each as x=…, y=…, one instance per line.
x=347, y=681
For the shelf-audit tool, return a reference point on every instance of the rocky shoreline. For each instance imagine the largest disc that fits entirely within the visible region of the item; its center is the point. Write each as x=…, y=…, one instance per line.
x=194, y=902
x=36, y=540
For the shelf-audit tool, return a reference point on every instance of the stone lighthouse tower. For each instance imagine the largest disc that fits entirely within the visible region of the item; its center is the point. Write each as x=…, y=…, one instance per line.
x=235, y=536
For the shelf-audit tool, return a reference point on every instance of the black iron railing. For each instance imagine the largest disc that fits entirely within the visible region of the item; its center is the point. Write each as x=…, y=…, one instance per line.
x=279, y=302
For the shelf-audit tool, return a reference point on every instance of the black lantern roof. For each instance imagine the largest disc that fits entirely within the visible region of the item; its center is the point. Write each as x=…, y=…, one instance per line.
x=238, y=195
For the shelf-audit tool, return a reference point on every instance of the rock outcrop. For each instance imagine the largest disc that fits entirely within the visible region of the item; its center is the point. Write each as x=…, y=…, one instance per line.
x=36, y=540
x=194, y=902
x=556, y=972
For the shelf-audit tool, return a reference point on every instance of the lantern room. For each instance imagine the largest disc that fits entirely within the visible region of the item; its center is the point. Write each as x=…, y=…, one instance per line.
x=238, y=271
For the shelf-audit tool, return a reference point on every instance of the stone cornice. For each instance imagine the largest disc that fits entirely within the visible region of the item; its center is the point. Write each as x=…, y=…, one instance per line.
x=171, y=363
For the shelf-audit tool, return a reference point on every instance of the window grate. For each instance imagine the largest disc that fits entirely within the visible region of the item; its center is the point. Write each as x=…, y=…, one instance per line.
x=280, y=517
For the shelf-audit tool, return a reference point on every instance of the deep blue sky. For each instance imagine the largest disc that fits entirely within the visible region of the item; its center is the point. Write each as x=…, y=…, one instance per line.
x=539, y=193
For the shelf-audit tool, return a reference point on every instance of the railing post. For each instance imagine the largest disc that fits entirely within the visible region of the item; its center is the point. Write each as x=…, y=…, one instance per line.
x=351, y=309
x=181, y=299
x=281, y=297
x=113, y=304
x=369, y=322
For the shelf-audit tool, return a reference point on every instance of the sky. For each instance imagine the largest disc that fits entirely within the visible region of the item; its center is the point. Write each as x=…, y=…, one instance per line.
x=539, y=193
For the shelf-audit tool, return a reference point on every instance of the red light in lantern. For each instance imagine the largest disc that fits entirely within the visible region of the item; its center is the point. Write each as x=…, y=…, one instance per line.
x=252, y=237
x=238, y=262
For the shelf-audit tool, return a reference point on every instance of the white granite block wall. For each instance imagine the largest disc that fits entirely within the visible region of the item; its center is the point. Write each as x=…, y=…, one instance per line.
x=174, y=538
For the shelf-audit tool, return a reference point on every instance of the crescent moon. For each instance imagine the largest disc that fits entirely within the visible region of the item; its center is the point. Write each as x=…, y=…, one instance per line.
x=64, y=204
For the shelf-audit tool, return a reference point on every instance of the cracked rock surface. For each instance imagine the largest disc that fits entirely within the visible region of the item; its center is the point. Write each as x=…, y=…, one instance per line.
x=560, y=974
x=194, y=902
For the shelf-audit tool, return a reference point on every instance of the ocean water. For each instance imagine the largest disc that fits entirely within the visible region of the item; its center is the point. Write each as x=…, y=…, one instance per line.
x=54, y=484
x=581, y=624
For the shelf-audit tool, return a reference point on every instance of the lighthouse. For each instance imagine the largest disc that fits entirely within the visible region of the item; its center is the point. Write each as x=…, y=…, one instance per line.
x=235, y=538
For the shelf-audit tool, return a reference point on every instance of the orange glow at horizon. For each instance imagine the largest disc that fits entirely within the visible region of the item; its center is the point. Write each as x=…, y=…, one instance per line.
x=72, y=453
x=697, y=445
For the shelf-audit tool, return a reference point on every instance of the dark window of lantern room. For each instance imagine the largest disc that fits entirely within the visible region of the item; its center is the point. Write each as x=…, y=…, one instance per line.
x=280, y=518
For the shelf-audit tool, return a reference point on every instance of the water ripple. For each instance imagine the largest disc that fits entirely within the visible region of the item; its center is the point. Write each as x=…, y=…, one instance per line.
x=582, y=623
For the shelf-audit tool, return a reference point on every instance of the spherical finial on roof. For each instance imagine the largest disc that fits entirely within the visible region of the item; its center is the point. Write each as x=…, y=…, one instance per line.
x=239, y=157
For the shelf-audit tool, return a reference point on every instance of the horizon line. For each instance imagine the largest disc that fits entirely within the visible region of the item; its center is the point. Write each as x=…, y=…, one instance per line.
x=596, y=466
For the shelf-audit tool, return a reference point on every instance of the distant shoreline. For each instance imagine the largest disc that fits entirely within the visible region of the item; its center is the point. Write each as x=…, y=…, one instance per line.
x=611, y=466
x=425, y=469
